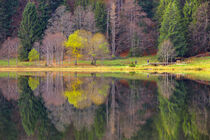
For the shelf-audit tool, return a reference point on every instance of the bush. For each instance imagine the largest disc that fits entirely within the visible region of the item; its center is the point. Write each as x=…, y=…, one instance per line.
x=33, y=55
x=132, y=65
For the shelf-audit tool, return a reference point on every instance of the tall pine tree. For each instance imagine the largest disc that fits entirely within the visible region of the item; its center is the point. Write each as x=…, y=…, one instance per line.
x=29, y=31
x=188, y=10
x=172, y=28
x=101, y=16
x=161, y=9
x=44, y=14
x=7, y=10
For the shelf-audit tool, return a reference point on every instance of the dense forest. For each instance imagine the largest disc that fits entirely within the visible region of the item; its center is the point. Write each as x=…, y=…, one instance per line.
x=57, y=30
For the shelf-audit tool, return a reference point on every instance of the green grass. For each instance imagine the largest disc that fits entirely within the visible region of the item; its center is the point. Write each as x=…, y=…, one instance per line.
x=118, y=62
x=12, y=63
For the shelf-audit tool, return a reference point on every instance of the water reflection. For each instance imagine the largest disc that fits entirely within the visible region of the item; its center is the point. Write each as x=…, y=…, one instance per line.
x=63, y=106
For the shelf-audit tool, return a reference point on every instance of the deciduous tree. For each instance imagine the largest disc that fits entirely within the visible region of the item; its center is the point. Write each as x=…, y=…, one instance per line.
x=200, y=30
x=75, y=44
x=166, y=51
x=98, y=48
x=53, y=47
x=9, y=49
x=33, y=55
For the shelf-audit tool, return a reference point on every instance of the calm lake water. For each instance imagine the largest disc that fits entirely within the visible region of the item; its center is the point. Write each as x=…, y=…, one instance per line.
x=83, y=106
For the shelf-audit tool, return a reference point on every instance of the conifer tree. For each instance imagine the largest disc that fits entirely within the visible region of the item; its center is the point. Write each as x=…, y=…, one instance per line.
x=29, y=30
x=7, y=10
x=100, y=16
x=44, y=14
x=172, y=28
x=189, y=9
x=147, y=6
x=161, y=9
x=188, y=12
x=45, y=9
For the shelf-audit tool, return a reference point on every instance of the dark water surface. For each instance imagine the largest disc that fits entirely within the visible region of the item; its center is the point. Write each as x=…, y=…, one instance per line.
x=82, y=106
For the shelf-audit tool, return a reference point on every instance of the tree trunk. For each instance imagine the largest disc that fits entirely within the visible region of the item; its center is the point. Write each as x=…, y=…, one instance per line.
x=69, y=60
x=16, y=49
x=75, y=61
x=107, y=23
x=113, y=26
x=93, y=61
x=8, y=54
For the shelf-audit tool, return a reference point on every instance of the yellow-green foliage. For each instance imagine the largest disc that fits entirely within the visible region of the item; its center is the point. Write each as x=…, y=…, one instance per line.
x=33, y=83
x=33, y=55
x=75, y=44
x=75, y=95
x=84, y=94
x=84, y=42
x=99, y=46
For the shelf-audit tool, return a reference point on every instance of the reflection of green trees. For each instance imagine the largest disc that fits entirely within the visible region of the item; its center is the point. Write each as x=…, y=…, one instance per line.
x=47, y=131
x=170, y=116
x=29, y=106
x=147, y=132
x=175, y=117
x=168, y=120
x=33, y=113
x=8, y=130
x=189, y=126
x=97, y=130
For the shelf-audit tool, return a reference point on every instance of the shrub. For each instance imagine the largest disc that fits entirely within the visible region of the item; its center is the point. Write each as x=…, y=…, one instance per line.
x=33, y=55
x=132, y=65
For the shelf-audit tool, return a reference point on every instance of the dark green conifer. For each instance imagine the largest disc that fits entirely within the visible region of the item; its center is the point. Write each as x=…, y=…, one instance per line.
x=7, y=10
x=172, y=28
x=101, y=16
x=29, y=31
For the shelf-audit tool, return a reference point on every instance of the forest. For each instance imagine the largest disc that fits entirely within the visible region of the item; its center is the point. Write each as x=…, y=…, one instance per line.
x=58, y=31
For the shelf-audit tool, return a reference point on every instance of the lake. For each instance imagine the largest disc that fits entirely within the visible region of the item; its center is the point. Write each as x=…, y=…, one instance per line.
x=103, y=106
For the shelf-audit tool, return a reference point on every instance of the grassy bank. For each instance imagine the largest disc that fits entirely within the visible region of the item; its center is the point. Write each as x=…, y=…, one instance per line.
x=118, y=65
x=116, y=62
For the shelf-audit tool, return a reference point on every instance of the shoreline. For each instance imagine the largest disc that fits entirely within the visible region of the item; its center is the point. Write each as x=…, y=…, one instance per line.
x=106, y=69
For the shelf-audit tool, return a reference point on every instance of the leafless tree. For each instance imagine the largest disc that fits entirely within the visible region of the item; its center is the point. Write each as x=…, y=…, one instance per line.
x=84, y=19
x=9, y=49
x=136, y=30
x=166, y=51
x=53, y=47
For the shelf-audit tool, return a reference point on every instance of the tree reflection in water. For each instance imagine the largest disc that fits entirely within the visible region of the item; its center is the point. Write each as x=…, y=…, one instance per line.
x=63, y=106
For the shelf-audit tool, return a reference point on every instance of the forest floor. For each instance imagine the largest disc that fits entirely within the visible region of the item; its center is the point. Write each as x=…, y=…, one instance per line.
x=193, y=64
